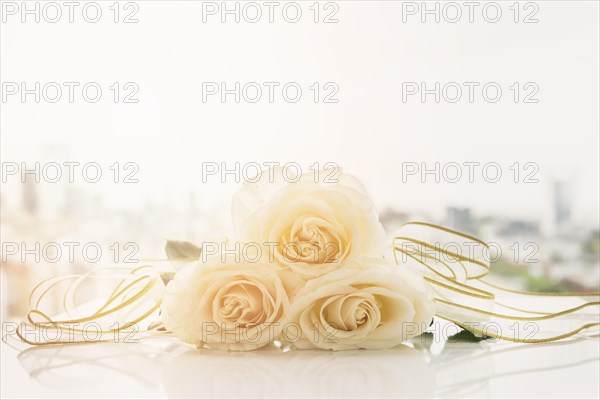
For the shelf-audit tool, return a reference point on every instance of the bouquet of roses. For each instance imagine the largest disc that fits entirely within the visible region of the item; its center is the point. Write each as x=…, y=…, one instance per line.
x=308, y=267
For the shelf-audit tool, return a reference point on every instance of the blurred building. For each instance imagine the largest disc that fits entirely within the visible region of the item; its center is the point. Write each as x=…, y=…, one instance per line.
x=460, y=219
x=562, y=203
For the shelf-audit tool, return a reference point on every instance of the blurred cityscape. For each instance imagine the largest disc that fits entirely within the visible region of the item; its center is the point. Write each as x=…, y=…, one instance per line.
x=564, y=259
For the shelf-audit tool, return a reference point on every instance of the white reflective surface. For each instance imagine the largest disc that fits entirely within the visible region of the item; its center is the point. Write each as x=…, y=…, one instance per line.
x=165, y=369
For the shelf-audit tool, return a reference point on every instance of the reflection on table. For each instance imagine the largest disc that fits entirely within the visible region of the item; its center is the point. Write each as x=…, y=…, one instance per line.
x=423, y=368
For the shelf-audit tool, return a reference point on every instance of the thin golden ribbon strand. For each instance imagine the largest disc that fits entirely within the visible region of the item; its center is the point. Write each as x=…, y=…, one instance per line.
x=462, y=296
x=135, y=297
x=446, y=260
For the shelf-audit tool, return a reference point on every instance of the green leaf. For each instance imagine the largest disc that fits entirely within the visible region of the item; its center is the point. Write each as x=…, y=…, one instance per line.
x=465, y=336
x=167, y=277
x=182, y=251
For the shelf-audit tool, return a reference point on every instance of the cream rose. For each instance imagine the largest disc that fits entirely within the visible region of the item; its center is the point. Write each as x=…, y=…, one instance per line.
x=371, y=304
x=311, y=228
x=227, y=305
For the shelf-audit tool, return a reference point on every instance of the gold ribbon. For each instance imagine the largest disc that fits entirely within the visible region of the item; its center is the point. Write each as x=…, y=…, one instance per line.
x=454, y=264
x=445, y=258
x=135, y=296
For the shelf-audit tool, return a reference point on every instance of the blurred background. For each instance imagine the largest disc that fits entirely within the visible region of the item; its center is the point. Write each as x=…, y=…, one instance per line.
x=542, y=212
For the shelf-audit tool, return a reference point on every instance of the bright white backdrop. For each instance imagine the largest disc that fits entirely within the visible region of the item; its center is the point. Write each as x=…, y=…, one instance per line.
x=373, y=50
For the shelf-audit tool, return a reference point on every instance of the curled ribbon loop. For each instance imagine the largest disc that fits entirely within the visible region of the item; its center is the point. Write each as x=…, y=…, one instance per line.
x=454, y=264
x=135, y=295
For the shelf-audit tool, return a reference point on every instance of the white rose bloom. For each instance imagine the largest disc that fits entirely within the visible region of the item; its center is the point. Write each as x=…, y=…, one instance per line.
x=311, y=228
x=371, y=304
x=231, y=305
